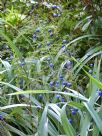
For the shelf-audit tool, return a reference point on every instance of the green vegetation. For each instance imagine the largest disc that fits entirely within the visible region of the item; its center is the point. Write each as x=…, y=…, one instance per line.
x=50, y=68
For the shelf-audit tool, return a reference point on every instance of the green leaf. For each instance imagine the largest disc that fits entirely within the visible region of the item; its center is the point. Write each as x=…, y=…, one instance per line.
x=92, y=52
x=86, y=25
x=95, y=131
x=69, y=131
x=43, y=125
x=85, y=125
x=98, y=83
x=75, y=40
x=92, y=86
x=76, y=104
x=7, y=67
x=21, y=92
x=94, y=115
x=11, y=44
x=52, y=130
x=13, y=129
x=17, y=105
x=74, y=94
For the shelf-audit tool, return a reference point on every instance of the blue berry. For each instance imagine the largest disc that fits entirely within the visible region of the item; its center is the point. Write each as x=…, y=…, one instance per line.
x=40, y=96
x=61, y=77
x=1, y=117
x=34, y=36
x=48, y=59
x=49, y=30
x=64, y=83
x=54, y=6
x=58, y=104
x=73, y=112
x=69, y=84
x=54, y=14
x=57, y=83
x=37, y=30
x=91, y=65
x=99, y=93
x=62, y=100
x=68, y=64
x=64, y=41
x=70, y=121
x=59, y=15
x=63, y=46
x=58, y=96
x=48, y=43
x=59, y=7
x=76, y=109
x=51, y=65
x=90, y=71
x=51, y=34
x=51, y=83
x=39, y=46
x=22, y=63
x=94, y=76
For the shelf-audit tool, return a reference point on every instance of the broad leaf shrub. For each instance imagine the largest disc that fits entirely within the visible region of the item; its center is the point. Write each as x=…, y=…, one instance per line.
x=50, y=68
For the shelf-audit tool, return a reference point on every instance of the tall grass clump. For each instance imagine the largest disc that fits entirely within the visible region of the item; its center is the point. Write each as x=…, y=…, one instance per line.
x=50, y=68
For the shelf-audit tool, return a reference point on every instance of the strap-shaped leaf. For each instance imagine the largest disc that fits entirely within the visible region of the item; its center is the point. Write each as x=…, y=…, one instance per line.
x=94, y=115
x=69, y=131
x=43, y=126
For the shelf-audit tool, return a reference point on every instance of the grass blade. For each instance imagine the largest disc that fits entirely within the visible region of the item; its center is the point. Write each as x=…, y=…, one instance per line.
x=65, y=123
x=95, y=116
x=43, y=126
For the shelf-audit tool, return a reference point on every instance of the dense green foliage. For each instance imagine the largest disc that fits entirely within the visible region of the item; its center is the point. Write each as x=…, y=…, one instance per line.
x=50, y=68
